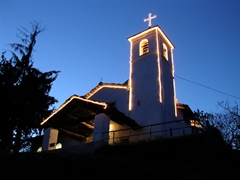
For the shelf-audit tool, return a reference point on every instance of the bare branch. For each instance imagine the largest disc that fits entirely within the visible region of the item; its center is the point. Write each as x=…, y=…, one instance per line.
x=227, y=108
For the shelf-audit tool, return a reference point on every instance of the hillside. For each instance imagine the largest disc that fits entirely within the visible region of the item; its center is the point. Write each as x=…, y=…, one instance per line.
x=189, y=157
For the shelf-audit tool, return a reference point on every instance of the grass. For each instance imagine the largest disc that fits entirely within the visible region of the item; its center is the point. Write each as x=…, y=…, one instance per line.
x=190, y=157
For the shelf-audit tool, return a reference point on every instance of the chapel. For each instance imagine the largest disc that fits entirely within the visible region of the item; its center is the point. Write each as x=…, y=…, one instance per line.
x=143, y=107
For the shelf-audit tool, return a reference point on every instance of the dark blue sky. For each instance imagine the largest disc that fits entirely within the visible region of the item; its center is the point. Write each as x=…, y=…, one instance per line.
x=87, y=42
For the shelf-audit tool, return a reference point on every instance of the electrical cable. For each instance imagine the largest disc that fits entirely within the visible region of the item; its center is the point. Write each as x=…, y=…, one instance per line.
x=207, y=87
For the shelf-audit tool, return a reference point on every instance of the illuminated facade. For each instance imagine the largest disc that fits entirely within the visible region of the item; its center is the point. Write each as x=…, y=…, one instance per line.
x=151, y=79
x=142, y=107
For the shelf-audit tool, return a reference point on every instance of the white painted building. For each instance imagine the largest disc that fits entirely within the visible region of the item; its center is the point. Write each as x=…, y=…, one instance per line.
x=144, y=107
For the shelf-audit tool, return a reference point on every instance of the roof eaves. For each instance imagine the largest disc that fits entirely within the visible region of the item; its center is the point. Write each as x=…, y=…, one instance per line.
x=69, y=100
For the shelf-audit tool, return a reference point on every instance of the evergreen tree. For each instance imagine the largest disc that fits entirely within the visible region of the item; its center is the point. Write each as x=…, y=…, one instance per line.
x=24, y=94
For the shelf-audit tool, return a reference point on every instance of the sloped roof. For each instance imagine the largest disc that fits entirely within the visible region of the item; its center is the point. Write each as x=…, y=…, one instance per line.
x=187, y=112
x=75, y=117
x=106, y=85
x=160, y=31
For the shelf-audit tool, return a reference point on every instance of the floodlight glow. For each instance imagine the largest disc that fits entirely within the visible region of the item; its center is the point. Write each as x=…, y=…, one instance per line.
x=159, y=69
x=130, y=80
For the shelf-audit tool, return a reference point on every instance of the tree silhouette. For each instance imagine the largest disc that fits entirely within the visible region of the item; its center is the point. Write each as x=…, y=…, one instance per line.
x=24, y=93
x=225, y=124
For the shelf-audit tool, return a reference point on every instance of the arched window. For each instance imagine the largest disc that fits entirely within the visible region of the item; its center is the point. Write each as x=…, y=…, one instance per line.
x=143, y=47
x=39, y=149
x=58, y=146
x=165, y=51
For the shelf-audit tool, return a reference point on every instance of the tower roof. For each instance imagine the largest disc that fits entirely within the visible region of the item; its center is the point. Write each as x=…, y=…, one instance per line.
x=154, y=28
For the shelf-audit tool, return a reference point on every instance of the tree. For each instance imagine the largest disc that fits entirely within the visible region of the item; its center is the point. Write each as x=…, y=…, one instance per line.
x=228, y=122
x=24, y=97
x=225, y=124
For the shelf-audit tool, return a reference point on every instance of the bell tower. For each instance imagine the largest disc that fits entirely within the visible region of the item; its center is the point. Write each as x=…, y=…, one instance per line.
x=151, y=81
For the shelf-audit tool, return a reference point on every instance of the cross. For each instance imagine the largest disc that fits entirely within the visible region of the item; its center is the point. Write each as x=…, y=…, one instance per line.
x=149, y=19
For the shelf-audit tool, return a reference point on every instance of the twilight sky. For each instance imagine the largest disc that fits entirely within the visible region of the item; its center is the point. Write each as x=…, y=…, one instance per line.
x=87, y=42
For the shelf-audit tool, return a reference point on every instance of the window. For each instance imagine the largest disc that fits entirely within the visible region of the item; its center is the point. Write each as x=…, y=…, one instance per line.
x=165, y=51
x=138, y=103
x=52, y=145
x=143, y=47
x=58, y=146
x=39, y=149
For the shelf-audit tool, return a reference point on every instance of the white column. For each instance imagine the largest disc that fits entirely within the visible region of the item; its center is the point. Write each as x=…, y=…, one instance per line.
x=101, y=124
x=49, y=139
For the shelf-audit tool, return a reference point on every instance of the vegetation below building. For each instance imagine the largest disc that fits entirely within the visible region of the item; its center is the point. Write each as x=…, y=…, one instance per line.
x=198, y=156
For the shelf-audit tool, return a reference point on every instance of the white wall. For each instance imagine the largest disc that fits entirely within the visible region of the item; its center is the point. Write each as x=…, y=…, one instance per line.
x=101, y=125
x=113, y=95
x=67, y=141
x=50, y=139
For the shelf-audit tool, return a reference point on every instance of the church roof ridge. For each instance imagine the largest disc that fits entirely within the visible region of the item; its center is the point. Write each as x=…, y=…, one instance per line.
x=108, y=85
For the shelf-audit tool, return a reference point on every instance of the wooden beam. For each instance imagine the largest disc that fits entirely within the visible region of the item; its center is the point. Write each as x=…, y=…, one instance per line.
x=72, y=133
x=71, y=116
x=82, y=122
x=87, y=125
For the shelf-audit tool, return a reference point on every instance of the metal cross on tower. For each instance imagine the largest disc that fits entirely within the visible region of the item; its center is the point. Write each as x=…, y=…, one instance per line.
x=149, y=19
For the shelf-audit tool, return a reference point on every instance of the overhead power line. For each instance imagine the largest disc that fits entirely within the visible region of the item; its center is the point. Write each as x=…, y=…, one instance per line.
x=206, y=87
